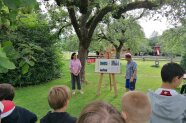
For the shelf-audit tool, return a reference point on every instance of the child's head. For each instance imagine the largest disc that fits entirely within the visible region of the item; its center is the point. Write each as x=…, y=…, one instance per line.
x=172, y=73
x=100, y=112
x=128, y=56
x=136, y=107
x=58, y=97
x=6, y=92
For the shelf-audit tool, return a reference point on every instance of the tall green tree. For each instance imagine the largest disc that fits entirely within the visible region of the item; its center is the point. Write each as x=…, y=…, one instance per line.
x=122, y=32
x=85, y=15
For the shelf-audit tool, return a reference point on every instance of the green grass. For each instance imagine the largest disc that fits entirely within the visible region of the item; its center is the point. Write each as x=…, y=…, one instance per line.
x=34, y=98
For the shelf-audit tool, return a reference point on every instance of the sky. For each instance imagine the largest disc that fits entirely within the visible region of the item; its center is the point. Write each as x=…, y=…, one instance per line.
x=149, y=26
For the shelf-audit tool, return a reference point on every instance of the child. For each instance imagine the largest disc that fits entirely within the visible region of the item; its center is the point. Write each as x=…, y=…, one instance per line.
x=100, y=112
x=136, y=107
x=19, y=114
x=167, y=105
x=58, y=99
x=7, y=107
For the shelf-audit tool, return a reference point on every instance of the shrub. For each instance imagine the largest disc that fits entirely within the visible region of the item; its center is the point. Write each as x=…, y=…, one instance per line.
x=38, y=60
x=183, y=61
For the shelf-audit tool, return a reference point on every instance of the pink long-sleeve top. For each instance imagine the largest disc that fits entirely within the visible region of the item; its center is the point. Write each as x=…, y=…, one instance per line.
x=75, y=66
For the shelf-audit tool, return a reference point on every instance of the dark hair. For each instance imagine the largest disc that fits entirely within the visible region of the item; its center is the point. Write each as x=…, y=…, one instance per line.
x=73, y=54
x=6, y=92
x=171, y=70
x=128, y=56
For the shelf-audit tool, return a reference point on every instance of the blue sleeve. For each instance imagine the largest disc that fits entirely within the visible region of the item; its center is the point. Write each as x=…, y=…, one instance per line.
x=134, y=66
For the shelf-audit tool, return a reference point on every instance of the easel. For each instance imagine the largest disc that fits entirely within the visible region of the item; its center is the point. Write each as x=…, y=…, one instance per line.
x=111, y=79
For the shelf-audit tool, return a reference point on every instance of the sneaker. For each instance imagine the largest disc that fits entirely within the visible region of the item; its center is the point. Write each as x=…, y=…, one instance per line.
x=73, y=92
x=81, y=92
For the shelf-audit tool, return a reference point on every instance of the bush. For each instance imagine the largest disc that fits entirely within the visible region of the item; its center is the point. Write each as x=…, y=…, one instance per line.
x=183, y=61
x=38, y=61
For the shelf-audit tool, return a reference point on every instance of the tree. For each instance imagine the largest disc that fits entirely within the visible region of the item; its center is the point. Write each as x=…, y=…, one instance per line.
x=122, y=31
x=173, y=42
x=70, y=43
x=85, y=15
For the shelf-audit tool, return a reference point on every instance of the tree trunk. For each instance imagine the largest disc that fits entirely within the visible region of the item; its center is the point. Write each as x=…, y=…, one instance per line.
x=82, y=55
x=118, y=50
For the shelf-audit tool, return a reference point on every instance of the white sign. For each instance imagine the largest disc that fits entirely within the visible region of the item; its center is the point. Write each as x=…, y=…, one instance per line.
x=107, y=66
x=184, y=76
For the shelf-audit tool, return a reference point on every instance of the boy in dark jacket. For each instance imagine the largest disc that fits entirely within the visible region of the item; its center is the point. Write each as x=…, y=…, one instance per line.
x=58, y=99
x=19, y=114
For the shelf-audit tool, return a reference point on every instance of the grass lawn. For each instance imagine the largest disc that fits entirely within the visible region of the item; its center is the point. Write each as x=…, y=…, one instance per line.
x=34, y=98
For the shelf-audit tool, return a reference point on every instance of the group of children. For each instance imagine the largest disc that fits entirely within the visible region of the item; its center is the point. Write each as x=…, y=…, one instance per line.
x=164, y=105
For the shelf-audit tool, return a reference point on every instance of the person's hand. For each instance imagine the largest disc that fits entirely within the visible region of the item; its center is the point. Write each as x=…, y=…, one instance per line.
x=131, y=79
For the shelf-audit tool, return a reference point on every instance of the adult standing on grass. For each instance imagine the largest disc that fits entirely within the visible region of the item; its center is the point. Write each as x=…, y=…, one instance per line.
x=131, y=73
x=75, y=68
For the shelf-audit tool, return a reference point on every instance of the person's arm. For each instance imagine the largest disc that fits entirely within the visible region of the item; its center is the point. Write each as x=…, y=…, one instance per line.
x=134, y=72
x=133, y=76
x=80, y=66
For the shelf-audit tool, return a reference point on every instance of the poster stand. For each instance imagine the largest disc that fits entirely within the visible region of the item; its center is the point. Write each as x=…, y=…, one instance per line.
x=112, y=79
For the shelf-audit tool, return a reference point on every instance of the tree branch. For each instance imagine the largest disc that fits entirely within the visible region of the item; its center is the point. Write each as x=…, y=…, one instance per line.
x=103, y=36
x=136, y=5
x=122, y=9
x=97, y=19
x=141, y=15
x=74, y=21
x=61, y=29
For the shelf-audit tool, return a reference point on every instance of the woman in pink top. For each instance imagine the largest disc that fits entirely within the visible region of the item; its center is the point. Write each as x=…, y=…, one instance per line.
x=75, y=68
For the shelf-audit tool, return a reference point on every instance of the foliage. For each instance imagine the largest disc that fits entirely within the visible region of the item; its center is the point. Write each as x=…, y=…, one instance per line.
x=12, y=10
x=98, y=45
x=123, y=32
x=37, y=61
x=5, y=62
x=173, y=41
x=10, y=13
x=183, y=61
x=70, y=43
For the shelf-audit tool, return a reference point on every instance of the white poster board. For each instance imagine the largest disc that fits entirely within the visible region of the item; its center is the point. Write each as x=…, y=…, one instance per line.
x=107, y=66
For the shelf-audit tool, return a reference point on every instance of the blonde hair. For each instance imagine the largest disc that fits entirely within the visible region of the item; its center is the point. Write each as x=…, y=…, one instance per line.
x=58, y=97
x=137, y=106
x=100, y=112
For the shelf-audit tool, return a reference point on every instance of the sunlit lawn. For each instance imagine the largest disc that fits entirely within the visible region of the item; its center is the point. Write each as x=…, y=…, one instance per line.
x=34, y=98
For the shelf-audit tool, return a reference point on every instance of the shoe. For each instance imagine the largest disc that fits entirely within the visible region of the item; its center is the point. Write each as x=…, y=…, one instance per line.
x=73, y=92
x=81, y=92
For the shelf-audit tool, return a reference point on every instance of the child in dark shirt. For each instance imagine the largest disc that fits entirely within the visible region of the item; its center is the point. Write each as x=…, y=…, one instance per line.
x=18, y=114
x=58, y=99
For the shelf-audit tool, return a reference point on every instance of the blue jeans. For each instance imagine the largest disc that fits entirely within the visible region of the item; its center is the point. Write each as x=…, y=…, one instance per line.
x=75, y=79
x=130, y=85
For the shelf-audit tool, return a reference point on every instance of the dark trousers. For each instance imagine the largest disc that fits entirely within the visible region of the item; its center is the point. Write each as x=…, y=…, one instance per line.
x=74, y=80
